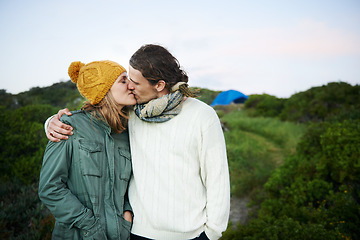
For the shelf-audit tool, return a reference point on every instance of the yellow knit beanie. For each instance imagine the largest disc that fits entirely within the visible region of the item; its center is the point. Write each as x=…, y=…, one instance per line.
x=95, y=79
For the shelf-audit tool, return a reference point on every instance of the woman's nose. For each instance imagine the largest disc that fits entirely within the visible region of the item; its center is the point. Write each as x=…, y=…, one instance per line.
x=131, y=85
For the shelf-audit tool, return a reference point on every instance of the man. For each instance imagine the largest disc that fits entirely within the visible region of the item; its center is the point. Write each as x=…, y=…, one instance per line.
x=180, y=185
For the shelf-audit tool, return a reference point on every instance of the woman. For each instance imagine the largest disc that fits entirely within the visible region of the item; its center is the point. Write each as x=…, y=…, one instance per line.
x=84, y=180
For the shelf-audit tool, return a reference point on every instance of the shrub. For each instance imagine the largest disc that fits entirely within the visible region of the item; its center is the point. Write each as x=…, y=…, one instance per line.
x=264, y=105
x=320, y=185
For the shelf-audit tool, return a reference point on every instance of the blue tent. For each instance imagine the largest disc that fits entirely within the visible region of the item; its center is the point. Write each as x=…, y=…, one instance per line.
x=230, y=96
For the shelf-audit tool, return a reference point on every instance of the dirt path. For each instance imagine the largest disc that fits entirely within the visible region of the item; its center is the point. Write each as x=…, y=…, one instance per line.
x=239, y=212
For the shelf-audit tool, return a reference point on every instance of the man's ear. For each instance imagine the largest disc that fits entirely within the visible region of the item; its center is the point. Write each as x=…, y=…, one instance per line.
x=160, y=85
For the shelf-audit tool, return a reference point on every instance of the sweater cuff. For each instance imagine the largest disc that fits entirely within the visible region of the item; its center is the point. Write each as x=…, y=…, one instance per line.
x=211, y=234
x=46, y=125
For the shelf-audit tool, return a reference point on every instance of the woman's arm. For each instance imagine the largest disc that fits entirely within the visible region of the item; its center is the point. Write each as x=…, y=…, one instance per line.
x=128, y=213
x=55, y=194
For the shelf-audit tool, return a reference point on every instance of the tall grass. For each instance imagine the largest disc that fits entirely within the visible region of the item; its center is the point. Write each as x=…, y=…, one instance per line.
x=255, y=147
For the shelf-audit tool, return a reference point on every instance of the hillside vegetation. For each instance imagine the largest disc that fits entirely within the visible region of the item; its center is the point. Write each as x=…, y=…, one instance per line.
x=315, y=192
x=298, y=159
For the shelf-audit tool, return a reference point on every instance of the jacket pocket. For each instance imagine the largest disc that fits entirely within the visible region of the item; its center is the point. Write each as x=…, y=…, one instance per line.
x=97, y=232
x=125, y=164
x=63, y=231
x=91, y=154
x=125, y=229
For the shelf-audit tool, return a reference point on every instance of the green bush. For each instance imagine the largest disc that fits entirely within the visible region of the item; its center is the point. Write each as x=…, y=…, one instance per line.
x=315, y=192
x=315, y=104
x=321, y=103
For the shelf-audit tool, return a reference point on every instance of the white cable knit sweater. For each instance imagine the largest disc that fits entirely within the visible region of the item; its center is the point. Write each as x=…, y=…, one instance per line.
x=180, y=185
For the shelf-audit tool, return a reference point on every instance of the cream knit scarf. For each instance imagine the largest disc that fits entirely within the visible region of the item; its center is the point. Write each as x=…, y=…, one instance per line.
x=161, y=109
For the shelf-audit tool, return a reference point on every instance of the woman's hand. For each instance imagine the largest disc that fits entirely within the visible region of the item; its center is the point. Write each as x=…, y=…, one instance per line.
x=56, y=130
x=128, y=216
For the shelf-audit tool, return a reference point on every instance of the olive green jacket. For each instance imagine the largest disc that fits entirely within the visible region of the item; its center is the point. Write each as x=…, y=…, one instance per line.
x=84, y=181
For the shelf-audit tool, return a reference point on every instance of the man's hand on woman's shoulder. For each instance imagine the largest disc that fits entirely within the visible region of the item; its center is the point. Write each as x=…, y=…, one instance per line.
x=57, y=130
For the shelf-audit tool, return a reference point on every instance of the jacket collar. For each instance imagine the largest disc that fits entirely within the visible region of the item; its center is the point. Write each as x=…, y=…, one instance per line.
x=101, y=123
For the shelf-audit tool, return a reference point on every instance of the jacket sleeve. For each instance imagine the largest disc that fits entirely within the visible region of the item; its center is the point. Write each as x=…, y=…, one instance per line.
x=54, y=193
x=215, y=175
x=127, y=206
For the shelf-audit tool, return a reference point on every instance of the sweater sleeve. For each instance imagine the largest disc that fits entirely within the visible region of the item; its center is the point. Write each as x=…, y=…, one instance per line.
x=46, y=124
x=54, y=193
x=215, y=175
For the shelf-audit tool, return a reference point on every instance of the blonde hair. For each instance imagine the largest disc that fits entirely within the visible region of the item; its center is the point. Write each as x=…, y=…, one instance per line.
x=110, y=112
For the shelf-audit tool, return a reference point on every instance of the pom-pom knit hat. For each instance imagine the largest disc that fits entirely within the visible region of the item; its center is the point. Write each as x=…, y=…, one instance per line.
x=95, y=79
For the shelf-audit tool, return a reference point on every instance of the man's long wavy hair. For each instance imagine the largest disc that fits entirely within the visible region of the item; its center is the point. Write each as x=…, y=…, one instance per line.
x=109, y=111
x=156, y=63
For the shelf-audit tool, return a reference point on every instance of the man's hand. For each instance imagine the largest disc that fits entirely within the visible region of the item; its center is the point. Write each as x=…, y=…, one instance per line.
x=57, y=130
x=128, y=216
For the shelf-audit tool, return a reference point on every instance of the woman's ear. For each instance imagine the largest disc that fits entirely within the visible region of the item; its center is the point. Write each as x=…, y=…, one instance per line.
x=160, y=85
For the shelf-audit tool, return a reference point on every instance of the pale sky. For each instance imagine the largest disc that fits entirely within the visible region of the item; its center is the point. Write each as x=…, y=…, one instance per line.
x=278, y=47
